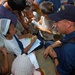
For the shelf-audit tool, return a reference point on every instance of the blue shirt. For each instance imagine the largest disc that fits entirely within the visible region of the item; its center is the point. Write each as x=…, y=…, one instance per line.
x=4, y=13
x=66, y=55
x=70, y=1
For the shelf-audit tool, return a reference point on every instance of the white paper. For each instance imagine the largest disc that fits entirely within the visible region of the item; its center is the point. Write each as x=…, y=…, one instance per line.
x=33, y=60
x=26, y=42
x=36, y=44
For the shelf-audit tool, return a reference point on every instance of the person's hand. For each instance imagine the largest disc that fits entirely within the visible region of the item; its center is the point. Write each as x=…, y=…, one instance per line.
x=33, y=39
x=28, y=35
x=52, y=53
x=44, y=30
x=3, y=50
x=46, y=52
x=33, y=18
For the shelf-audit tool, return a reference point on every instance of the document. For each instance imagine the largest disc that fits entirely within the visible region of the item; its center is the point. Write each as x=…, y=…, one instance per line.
x=27, y=41
x=33, y=59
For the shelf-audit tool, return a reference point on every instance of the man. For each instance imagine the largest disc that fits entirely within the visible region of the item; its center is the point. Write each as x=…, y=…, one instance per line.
x=63, y=51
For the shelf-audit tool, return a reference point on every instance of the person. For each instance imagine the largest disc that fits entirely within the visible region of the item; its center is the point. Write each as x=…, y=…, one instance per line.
x=5, y=68
x=45, y=31
x=13, y=44
x=28, y=14
x=45, y=23
x=10, y=9
x=8, y=31
x=57, y=3
x=28, y=17
x=23, y=66
x=63, y=51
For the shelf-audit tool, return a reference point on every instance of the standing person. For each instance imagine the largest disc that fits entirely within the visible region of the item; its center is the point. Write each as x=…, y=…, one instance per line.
x=63, y=51
x=5, y=68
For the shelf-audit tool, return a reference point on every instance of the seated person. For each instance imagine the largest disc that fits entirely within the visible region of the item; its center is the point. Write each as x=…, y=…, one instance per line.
x=63, y=51
x=12, y=43
x=28, y=18
x=45, y=23
x=23, y=66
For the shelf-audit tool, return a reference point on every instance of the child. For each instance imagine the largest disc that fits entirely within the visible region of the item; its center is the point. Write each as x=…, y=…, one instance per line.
x=10, y=9
x=12, y=42
x=28, y=17
x=45, y=23
x=23, y=66
x=28, y=14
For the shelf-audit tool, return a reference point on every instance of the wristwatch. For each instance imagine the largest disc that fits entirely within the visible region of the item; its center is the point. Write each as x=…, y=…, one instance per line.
x=55, y=58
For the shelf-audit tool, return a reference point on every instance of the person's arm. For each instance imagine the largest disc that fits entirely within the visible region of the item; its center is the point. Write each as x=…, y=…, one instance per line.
x=1, y=1
x=4, y=68
x=25, y=25
x=53, y=54
x=29, y=46
x=40, y=27
x=25, y=36
x=36, y=4
x=44, y=30
x=55, y=44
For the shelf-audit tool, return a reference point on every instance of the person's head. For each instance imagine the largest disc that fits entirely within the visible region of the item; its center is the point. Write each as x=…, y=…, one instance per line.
x=17, y=5
x=6, y=27
x=64, y=19
x=28, y=12
x=46, y=7
x=23, y=66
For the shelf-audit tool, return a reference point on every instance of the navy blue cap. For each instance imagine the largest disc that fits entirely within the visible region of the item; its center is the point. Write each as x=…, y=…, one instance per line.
x=65, y=12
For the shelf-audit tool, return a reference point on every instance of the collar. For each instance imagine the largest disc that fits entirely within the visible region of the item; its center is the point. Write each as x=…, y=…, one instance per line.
x=68, y=37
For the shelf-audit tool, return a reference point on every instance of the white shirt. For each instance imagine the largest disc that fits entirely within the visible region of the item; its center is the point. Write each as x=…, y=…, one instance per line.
x=45, y=25
x=12, y=46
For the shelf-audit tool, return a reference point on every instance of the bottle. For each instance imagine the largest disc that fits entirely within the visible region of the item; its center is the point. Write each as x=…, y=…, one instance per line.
x=35, y=23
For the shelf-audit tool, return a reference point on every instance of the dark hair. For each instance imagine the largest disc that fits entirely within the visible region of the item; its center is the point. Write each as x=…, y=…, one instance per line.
x=18, y=5
x=46, y=7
